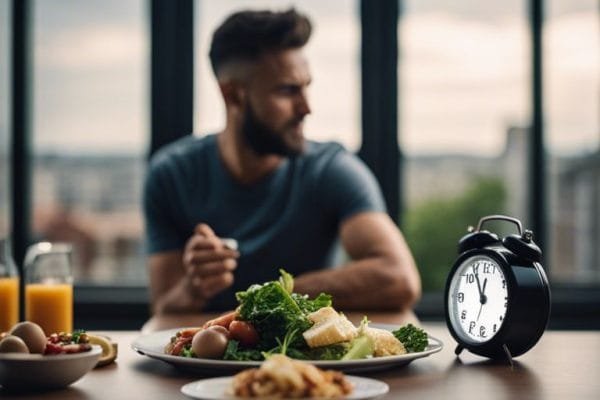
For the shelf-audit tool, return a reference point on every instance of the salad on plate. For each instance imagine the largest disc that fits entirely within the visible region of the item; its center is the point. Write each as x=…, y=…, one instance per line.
x=272, y=319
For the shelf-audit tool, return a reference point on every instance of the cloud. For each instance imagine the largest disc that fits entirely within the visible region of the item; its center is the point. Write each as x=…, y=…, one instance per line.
x=463, y=81
x=90, y=89
x=97, y=47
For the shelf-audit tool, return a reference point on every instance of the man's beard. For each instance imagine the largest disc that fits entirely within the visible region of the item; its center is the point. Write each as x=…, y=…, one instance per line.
x=266, y=141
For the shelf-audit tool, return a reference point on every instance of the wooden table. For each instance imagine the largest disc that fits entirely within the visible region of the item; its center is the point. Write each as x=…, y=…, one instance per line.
x=563, y=365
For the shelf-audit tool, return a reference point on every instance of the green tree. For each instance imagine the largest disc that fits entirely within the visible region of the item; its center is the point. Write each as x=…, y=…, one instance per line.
x=434, y=227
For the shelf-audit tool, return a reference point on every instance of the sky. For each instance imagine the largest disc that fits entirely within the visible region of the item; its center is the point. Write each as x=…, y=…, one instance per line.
x=464, y=74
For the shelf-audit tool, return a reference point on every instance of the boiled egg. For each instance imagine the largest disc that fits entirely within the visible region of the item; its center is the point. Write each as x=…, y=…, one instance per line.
x=13, y=344
x=210, y=342
x=32, y=334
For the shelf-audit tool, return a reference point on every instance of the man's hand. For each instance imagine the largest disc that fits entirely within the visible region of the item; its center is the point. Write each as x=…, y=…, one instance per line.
x=183, y=280
x=208, y=263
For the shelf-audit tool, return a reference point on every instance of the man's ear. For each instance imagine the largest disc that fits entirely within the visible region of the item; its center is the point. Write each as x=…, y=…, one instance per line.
x=233, y=93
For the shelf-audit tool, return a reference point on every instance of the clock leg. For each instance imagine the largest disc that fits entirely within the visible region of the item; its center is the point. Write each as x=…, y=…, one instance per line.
x=508, y=356
x=458, y=349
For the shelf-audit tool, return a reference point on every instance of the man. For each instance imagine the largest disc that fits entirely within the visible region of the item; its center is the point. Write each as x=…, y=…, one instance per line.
x=285, y=200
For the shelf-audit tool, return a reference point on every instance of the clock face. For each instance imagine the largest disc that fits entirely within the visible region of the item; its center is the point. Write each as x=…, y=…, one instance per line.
x=477, y=299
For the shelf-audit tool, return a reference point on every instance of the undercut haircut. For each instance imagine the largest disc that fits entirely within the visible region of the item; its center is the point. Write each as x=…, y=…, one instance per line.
x=246, y=35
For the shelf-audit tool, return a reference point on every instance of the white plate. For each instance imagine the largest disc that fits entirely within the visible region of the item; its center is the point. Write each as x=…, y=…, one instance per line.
x=153, y=344
x=217, y=389
x=36, y=371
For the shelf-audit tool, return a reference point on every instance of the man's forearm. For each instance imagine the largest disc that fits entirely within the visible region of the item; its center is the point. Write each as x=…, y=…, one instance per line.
x=368, y=284
x=178, y=299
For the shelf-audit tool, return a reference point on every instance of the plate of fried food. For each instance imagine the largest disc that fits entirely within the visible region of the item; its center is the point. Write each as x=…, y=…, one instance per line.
x=285, y=378
x=272, y=319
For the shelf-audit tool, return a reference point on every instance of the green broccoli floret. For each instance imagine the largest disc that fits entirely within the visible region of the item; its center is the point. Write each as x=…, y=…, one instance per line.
x=187, y=352
x=414, y=339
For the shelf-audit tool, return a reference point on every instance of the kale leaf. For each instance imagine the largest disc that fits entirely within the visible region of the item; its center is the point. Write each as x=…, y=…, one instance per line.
x=308, y=306
x=330, y=352
x=233, y=352
x=272, y=311
x=275, y=312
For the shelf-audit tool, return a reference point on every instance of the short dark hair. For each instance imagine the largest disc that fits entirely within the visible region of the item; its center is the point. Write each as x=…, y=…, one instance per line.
x=246, y=35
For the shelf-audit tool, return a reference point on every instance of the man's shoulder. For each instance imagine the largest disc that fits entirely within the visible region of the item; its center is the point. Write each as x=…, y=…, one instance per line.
x=183, y=150
x=332, y=156
x=318, y=152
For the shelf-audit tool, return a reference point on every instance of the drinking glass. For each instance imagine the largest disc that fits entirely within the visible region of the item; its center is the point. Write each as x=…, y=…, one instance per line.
x=49, y=286
x=9, y=288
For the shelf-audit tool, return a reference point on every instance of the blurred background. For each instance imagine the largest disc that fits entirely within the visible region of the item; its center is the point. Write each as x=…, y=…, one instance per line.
x=462, y=108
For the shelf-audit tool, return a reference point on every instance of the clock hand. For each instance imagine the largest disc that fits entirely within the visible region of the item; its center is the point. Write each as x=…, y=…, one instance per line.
x=481, y=296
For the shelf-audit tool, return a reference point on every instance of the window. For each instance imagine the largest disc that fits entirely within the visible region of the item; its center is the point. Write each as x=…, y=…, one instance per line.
x=464, y=119
x=572, y=62
x=333, y=54
x=464, y=112
x=89, y=133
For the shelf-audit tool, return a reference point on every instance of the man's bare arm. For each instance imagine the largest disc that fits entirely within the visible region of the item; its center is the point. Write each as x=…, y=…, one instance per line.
x=168, y=285
x=382, y=274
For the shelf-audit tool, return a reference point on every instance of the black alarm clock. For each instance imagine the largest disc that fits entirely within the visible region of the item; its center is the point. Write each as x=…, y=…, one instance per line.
x=497, y=297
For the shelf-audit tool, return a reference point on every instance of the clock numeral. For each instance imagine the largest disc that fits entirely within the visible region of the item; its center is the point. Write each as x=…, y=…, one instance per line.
x=471, y=326
x=495, y=327
x=482, y=331
x=460, y=297
x=486, y=268
x=505, y=304
x=470, y=278
x=476, y=268
x=463, y=315
x=503, y=284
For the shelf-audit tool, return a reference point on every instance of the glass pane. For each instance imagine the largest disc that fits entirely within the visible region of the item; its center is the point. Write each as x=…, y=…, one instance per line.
x=90, y=133
x=464, y=110
x=5, y=127
x=572, y=107
x=333, y=53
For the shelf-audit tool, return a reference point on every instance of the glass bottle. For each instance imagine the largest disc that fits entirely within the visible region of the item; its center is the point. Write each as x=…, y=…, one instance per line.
x=9, y=288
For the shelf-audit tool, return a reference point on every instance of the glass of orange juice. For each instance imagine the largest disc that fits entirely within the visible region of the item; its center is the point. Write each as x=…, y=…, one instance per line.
x=9, y=288
x=49, y=286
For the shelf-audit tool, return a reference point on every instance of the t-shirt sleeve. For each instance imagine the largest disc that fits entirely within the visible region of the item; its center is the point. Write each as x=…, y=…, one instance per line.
x=348, y=187
x=161, y=233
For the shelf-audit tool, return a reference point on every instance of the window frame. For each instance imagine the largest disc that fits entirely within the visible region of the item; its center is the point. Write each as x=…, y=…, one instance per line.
x=172, y=77
x=20, y=137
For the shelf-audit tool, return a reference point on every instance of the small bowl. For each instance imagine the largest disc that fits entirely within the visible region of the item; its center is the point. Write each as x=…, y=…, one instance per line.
x=36, y=371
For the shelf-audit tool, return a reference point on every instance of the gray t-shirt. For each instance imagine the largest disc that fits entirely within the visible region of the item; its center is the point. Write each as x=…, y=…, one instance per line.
x=290, y=219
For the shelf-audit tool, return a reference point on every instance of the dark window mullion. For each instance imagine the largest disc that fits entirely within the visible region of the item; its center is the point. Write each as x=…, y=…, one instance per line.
x=21, y=133
x=172, y=71
x=537, y=160
x=379, y=77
